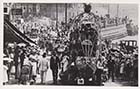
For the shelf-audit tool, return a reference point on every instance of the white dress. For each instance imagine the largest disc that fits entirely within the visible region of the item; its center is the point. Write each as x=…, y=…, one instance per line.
x=122, y=68
x=43, y=64
x=65, y=63
x=43, y=67
x=34, y=68
x=5, y=75
x=34, y=65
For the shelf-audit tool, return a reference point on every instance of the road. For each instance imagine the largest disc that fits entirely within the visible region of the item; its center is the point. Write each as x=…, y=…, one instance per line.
x=49, y=81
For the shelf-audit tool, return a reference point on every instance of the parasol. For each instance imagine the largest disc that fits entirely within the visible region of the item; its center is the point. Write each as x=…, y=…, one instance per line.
x=21, y=44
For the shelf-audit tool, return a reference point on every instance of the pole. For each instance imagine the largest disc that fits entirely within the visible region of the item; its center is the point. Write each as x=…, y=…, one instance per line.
x=117, y=10
x=108, y=8
x=66, y=15
x=56, y=16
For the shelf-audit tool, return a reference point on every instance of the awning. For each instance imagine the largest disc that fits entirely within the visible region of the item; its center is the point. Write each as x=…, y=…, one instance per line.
x=12, y=34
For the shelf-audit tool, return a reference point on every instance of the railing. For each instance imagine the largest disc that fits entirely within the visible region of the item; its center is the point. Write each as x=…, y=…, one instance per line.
x=114, y=32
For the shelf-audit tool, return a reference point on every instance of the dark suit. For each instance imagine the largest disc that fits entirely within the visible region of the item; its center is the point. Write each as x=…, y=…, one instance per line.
x=16, y=52
x=54, y=65
x=22, y=57
x=111, y=67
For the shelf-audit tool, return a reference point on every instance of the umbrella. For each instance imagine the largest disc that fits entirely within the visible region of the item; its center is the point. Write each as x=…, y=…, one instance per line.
x=11, y=45
x=21, y=44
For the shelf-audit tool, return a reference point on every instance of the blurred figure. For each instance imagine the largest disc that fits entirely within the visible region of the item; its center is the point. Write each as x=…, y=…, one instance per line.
x=22, y=57
x=16, y=56
x=64, y=62
x=25, y=71
x=99, y=71
x=43, y=67
x=128, y=69
x=5, y=75
x=54, y=65
x=122, y=65
x=135, y=65
x=34, y=66
x=111, y=66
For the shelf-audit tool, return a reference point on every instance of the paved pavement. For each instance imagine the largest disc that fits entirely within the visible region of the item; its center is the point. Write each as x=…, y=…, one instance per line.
x=48, y=78
x=49, y=81
x=110, y=83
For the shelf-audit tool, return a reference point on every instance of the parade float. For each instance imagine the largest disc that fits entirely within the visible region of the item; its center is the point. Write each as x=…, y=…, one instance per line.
x=86, y=36
x=84, y=42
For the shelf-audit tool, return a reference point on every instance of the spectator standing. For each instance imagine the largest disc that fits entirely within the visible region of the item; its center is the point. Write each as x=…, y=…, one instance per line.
x=5, y=75
x=54, y=65
x=99, y=71
x=128, y=69
x=34, y=66
x=22, y=57
x=111, y=66
x=43, y=67
x=122, y=65
x=16, y=57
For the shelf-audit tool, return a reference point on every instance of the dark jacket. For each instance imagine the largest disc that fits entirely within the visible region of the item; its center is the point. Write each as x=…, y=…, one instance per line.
x=54, y=63
x=111, y=64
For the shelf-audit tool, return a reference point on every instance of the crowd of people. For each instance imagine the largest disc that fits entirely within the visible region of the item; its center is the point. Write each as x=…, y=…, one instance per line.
x=29, y=61
x=117, y=64
x=54, y=52
x=42, y=26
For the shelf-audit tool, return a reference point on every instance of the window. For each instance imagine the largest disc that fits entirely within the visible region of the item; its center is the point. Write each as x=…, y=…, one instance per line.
x=5, y=10
x=126, y=43
x=130, y=43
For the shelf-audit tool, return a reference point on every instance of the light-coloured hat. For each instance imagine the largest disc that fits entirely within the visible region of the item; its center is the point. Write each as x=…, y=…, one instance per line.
x=72, y=64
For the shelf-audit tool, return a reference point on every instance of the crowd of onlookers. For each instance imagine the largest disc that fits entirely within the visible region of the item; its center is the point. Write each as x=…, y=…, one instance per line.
x=121, y=65
x=28, y=61
x=60, y=30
